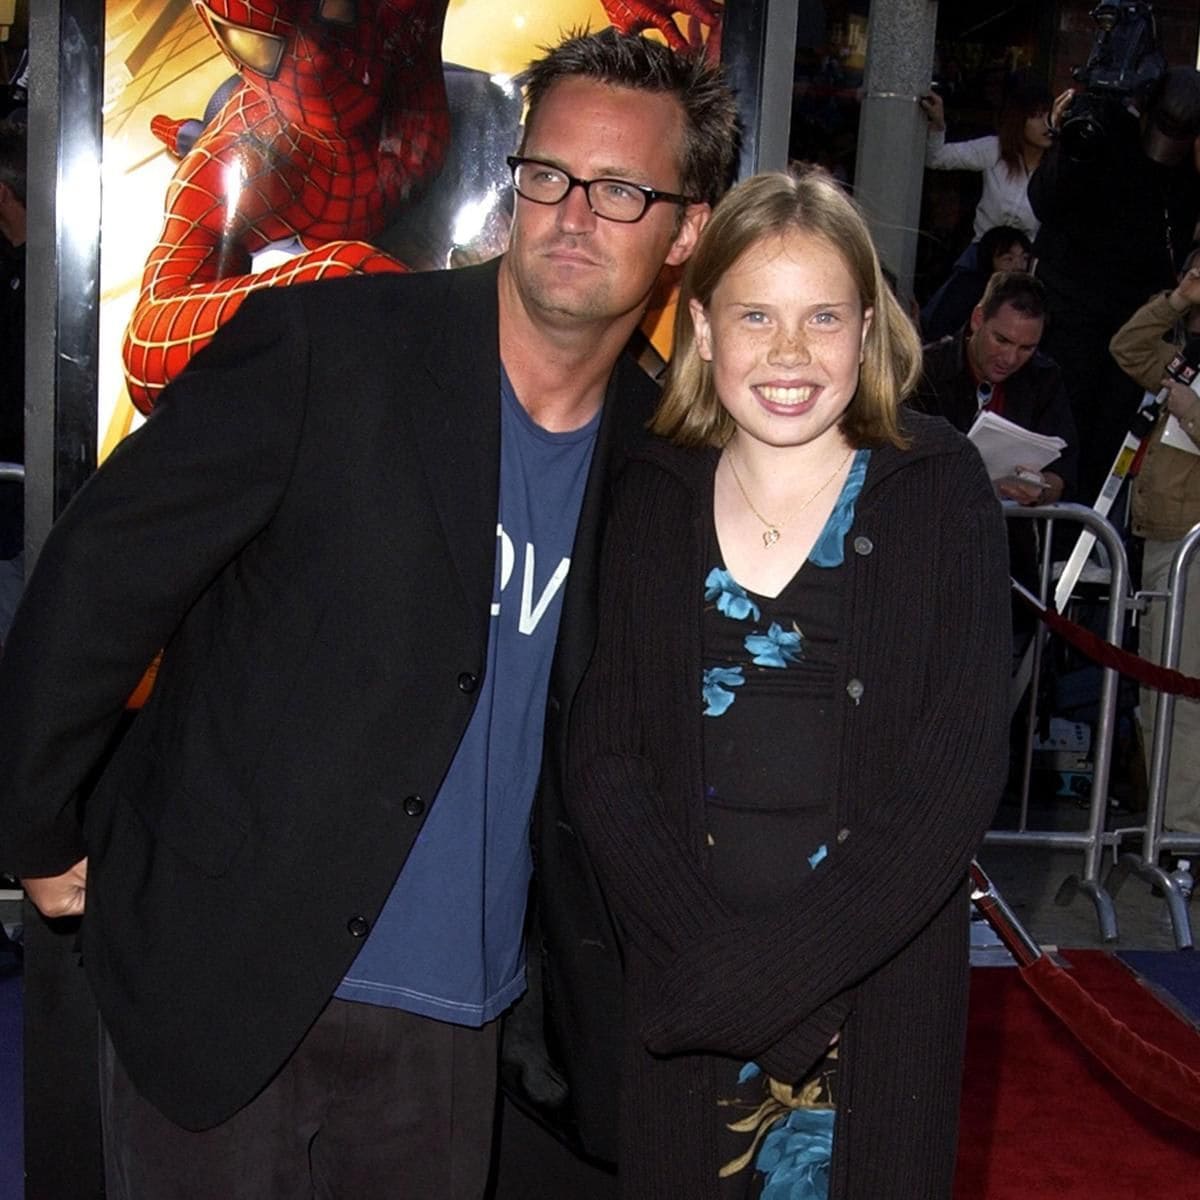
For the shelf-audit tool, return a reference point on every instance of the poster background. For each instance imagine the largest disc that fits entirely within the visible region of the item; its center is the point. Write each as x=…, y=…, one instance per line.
x=160, y=59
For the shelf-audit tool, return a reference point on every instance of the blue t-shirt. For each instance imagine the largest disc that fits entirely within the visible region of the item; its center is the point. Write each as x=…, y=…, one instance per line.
x=448, y=943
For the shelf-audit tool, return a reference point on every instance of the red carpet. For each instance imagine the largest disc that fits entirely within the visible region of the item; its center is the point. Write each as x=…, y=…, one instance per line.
x=1041, y=1118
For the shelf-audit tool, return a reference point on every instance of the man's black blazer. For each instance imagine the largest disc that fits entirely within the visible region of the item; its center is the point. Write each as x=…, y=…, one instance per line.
x=306, y=526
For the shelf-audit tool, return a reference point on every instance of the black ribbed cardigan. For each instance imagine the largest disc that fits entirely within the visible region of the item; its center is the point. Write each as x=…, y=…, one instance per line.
x=875, y=942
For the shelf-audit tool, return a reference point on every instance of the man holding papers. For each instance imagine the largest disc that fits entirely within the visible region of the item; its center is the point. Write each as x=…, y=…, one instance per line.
x=992, y=366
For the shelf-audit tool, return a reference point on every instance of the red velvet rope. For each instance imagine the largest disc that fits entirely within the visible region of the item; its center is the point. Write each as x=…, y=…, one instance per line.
x=1145, y=1069
x=1149, y=674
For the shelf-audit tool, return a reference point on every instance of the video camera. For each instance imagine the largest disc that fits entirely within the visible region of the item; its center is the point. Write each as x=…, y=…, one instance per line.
x=1126, y=61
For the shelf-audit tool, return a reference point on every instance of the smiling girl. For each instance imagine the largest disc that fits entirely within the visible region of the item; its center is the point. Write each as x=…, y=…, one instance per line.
x=792, y=736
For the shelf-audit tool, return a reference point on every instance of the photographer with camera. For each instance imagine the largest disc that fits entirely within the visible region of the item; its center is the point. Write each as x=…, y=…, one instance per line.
x=1117, y=195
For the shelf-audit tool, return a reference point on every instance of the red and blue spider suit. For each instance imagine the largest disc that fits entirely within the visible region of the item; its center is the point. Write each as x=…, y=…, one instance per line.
x=340, y=115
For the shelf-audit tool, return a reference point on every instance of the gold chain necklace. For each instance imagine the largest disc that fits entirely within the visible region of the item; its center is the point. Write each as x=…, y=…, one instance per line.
x=772, y=532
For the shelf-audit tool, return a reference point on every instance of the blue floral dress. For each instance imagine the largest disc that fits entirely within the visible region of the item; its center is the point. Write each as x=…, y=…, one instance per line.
x=769, y=766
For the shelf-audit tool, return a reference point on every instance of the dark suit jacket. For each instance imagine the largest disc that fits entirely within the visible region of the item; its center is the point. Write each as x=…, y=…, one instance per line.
x=1035, y=398
x=307, y=524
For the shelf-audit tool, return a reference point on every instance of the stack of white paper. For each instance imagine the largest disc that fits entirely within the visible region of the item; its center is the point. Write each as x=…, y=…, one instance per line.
x=1005, y=446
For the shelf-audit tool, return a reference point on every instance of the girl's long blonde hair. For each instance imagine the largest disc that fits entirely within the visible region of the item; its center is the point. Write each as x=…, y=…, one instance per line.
x=769, y=205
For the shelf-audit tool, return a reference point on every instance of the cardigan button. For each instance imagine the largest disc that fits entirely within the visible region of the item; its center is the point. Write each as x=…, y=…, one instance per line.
x=358, y=927
x=855, y=689
x=414, y=806
x=468, y=682
x=863, y=545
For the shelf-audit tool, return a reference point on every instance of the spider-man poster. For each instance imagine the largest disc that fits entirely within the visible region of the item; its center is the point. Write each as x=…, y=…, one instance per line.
x=255, y=143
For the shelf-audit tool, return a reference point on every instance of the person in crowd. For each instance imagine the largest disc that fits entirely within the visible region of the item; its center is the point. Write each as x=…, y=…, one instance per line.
x=994, y=363
x=14, y=97
x=349, y=524
x=1166, y=505
x=12, y=363
x=1118, y=214
x=1008, y=249
x=791, y=738
x=1002, y=248
x=1006, y=160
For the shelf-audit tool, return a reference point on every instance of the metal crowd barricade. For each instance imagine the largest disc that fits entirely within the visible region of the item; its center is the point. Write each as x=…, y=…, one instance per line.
x=1095, y=838
x=1153, y=838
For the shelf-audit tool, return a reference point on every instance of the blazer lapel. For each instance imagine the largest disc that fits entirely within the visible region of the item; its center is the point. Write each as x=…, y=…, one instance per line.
x=628, y=405
x=456, y=421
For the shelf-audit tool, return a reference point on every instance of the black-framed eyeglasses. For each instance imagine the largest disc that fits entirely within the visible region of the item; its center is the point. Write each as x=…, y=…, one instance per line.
x=612, y=199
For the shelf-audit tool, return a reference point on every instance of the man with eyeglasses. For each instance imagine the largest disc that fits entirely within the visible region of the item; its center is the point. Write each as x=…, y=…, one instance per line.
x=993, y=363
x=354, y=523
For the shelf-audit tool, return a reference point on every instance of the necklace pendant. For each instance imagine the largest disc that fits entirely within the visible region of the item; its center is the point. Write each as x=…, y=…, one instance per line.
x=770, y=536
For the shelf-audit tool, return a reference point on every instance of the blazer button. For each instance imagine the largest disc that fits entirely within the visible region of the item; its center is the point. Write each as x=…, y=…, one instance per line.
x=863, y=545
x=855, y=689
x=414, y=806
x=358, y=927
x=467, y=682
